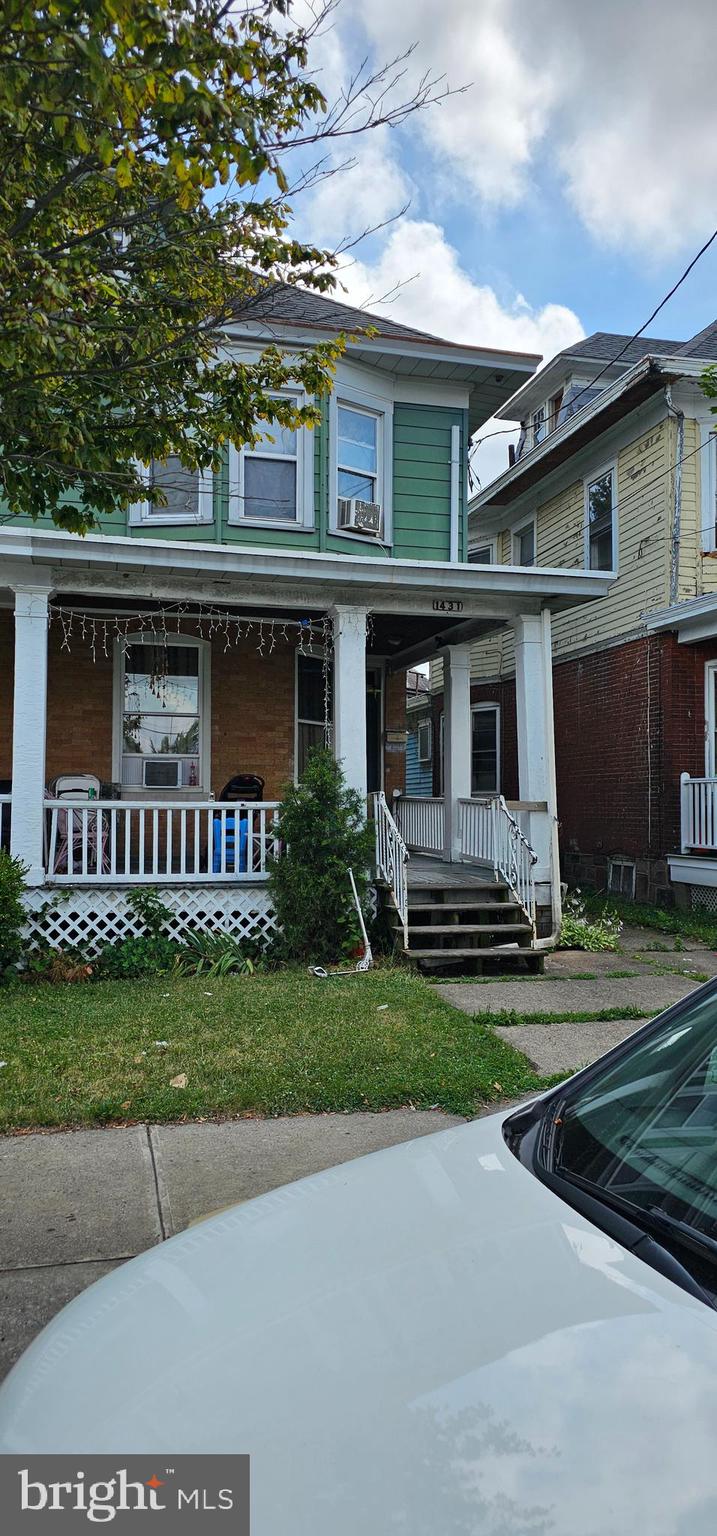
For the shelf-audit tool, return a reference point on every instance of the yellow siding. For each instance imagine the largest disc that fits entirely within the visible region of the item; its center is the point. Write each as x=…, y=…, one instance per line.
x=689, y=569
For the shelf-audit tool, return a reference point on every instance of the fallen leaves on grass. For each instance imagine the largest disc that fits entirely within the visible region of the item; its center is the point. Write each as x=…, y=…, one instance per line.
x=180, y=1081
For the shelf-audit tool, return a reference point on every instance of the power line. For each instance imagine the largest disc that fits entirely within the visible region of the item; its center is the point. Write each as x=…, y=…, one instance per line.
x=508, y=431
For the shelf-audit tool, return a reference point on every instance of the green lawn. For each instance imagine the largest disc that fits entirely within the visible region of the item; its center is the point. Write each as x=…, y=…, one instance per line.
x=269, y=1045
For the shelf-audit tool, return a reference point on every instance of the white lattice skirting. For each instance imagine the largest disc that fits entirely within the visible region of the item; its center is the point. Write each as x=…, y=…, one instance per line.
x=91, y=918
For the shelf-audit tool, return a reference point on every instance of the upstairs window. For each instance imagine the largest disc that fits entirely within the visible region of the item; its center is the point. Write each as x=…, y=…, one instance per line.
x=357, y=454
x=600, y=540
x=187, y=493
x=524, y=543
x=482, y=554
x=554, y=410
x=538, y=424
x=271, y=481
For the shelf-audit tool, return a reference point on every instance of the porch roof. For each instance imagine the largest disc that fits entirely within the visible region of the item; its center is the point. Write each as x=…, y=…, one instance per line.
x=695, y=619
x=448, y=593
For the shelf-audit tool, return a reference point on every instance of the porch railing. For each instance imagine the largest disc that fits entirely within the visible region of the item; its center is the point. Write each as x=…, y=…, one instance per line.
x=489, y=834
x=141, y=842
x=420, y=820
x=391, y=859
x=698, y=799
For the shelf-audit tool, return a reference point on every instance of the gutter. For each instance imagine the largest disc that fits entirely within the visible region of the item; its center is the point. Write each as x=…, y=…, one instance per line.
x=668, y=367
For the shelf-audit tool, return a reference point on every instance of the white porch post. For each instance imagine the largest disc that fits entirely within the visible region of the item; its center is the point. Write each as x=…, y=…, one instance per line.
x=28, y=730
x=456, y=743
x=536, y=747
x=350, y=694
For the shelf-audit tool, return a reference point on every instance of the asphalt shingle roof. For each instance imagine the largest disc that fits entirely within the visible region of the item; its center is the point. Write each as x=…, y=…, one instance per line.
x=704, y=344
x=604, y=347
x=284, y=304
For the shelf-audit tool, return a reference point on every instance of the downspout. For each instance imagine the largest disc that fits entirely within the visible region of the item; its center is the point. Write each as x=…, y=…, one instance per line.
x=455, y=504
x=677, y=498
x=556, y=895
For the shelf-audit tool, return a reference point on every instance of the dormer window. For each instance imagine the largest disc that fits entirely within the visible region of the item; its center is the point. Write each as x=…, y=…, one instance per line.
x=538, y=425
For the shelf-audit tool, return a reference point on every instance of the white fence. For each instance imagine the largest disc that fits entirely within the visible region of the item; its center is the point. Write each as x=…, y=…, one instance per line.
x=489, y=834
x=391, y=858
x=698, y=814
x=140, y=842
x=420, y=821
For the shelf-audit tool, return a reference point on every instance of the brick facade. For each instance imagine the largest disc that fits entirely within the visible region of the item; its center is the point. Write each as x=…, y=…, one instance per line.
x=629, y=720
x=252, y=712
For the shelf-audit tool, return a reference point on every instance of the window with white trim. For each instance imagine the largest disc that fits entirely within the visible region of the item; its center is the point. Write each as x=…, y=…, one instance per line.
x=600, y=537
x=313, y=709
x=161, y=697
x=188, y=494
x=357, y=457
x=523, y=543
x=424, y=741
x=538, y=425
x=482, y=554
x=271, y=480
x=485, y=749
x=708, y=484
x=361, y=452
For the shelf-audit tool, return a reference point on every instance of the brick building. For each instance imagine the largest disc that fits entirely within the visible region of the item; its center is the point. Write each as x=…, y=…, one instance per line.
x=615, y=470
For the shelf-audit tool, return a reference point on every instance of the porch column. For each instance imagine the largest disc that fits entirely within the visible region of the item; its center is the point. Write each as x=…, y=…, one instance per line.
x=350, y=694
x=456, y=743
x=536, y=743
x=28, y=730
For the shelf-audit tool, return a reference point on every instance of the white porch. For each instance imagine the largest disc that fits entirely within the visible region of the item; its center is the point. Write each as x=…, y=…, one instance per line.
x=381, y=611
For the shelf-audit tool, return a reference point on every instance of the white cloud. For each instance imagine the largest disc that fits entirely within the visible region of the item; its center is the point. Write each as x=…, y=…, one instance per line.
x=443, y=298
x=617, y=99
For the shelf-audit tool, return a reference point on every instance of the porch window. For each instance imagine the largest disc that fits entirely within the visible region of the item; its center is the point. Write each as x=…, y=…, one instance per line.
x=599, y=522
x=485, y=749
x=272, y=481
x=524, y=544
x=312, y=709
x=161, y=716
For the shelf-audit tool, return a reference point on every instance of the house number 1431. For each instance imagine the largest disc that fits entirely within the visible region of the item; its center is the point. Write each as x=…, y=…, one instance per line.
x=447, y=605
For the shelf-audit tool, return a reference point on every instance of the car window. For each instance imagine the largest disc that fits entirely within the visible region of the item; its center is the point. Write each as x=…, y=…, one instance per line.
x=645, y=1129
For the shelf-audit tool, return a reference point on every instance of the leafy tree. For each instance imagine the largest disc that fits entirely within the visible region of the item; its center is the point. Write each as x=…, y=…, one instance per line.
x=323, y=829
x=144, y=204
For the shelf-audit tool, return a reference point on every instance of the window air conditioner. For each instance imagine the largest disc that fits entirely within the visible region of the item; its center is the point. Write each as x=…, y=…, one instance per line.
x=360, y=516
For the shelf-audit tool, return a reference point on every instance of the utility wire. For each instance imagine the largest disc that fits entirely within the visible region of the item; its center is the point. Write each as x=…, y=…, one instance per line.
x=503, y=431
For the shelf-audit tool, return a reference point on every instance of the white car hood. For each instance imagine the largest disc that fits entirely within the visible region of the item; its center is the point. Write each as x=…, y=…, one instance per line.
x=425, y=1341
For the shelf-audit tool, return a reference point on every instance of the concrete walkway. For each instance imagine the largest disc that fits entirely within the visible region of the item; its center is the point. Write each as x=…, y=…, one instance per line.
x=638, y=978
x=77, y=1203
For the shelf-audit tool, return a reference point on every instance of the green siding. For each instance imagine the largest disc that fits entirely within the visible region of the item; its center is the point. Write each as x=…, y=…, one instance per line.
x=422, y=481
x=421, y=497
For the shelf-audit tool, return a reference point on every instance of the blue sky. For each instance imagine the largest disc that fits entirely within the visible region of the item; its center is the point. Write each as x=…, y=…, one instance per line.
x=562, y=193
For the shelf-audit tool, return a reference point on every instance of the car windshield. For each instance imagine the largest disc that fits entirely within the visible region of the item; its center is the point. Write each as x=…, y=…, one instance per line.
x=642, y=1133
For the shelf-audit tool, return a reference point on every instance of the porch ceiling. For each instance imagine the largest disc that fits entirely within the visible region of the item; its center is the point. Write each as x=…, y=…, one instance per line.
x=445, y=594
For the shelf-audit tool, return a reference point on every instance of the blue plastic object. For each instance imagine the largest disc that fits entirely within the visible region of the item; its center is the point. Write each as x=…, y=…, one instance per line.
x=229, y=829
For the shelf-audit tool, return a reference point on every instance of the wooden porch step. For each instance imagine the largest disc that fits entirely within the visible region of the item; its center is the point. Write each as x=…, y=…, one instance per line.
x=469, y=954
x=456, y=929
x=449, y=893
x=464, y=906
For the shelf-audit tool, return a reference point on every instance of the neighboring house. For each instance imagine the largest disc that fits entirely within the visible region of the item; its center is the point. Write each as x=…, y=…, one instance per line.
x=147, y=665
x=419, y=735
x=616, y=471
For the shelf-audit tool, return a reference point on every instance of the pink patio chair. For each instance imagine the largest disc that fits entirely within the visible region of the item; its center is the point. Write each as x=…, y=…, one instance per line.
x=78, y=788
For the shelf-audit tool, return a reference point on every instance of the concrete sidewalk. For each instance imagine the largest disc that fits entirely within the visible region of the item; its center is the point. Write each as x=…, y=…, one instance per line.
x=78, y=1203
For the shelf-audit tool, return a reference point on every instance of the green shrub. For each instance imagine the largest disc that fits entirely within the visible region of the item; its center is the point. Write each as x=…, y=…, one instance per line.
x=12, y=911
x=137, y=955
x=147, y=905
x=217, y=954
x=577, y=931
x=323, y=829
